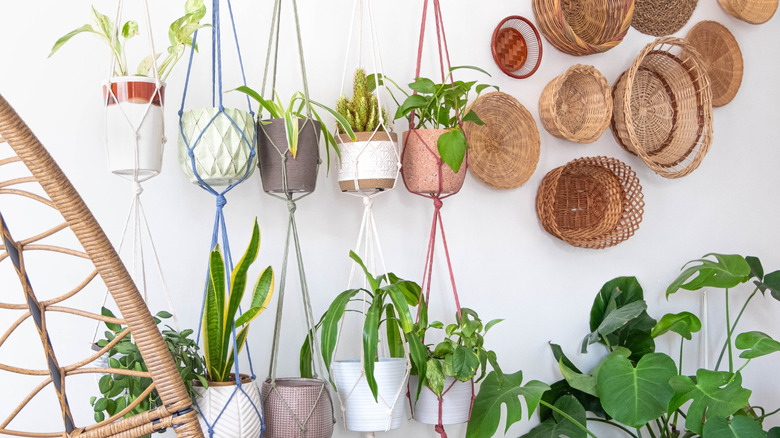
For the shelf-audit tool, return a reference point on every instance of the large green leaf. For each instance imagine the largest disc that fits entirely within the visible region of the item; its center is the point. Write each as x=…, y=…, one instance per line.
x=615, y=293
x=756, y=344
x=452, y=148
x=771, y=283
x=423, y=85
x=561, y=388
x=434, y=376
x=583, y=382
x=718, y=394
x=614, y=319
x=261, y=296
x=727, y=271
x=559, y=426
x=683, y=323
x=214, y=314
x=238, y=284
x=756, y=269
x=371, y=341
x=461, y=364
x=636, y=395
x=738, y=427
x=330, y=324
x=394, y=338
x=773, y=432
x=494, y=392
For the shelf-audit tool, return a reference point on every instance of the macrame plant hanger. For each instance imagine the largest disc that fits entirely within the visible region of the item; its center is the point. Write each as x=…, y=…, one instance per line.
x=444, y=60
x=136, y=213
x=219, y=219
x=368, y=244
x=278, y=398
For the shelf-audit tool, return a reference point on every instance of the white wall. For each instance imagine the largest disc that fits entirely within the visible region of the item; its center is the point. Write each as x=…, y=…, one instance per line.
x=505, y=264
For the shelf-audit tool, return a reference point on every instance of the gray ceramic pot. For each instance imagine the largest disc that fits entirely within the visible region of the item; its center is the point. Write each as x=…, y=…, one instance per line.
x=301, y=171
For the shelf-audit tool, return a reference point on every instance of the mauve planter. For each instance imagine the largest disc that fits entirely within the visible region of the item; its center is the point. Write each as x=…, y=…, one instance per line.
x=420, y=168
x=301, y=171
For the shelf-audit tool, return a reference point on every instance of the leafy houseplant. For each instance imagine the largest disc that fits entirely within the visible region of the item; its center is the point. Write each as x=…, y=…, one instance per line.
x=362, y=111
x=635, y=388
x=119, y=391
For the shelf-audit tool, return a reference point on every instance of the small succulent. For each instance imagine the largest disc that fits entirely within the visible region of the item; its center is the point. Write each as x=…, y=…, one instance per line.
x=363, y=111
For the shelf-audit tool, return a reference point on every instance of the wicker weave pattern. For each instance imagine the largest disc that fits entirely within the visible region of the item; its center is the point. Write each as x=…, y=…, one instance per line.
x=297, y=408
x=722, y=58
x=663, y=108
x=662, y=17
x=96, y=247
x=577, y=105
x=592, y=202
x=750, y=11
x=584, y=27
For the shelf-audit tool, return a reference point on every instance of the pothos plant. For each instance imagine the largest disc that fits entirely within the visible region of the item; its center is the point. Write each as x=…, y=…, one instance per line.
x=642, y=392
x=118, y=391
x=179, y=33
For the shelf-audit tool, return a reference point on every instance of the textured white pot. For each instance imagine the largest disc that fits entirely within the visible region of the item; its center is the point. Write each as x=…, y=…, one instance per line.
x=222, y=153
x=456, y=402
x=363, y=413
x=371, y=160
x=132, y=123
x=242, y=417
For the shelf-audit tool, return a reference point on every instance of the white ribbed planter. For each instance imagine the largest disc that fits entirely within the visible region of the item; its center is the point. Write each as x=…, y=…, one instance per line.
x=129, y=112
x=240, y=418
x=222, y=153
x=456, y=402
x=363, y=413
x=368, y=163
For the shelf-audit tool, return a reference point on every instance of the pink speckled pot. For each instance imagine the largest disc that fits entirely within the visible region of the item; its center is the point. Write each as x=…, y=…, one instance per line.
x=421, y=170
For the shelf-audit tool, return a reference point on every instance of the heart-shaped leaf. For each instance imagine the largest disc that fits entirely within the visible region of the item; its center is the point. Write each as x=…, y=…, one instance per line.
x=719, y=394
x=727, y=271
x=683, y=323
x=756, y=344
x=452, y=148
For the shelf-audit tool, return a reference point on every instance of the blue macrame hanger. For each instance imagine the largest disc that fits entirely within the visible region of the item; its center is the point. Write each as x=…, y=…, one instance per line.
x=221, y=201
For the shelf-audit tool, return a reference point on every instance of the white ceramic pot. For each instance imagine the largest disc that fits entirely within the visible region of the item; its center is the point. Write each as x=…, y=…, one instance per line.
x=134, y=125
x=363, y=413
x=241, y=417
x=221, y=152
x=368, y=163
x=456, y=402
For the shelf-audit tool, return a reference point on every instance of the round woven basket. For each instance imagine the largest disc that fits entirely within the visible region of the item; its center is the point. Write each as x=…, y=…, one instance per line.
x=663, y=108
x=662, y=17
x=722, y=58
x=504, y=151
x=591, y=202
x=516, y=47
x=577, y=105
x=750, y=11
x=583, y=27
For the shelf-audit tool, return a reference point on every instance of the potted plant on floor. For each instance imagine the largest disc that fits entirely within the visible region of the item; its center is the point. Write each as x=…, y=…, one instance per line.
x=231, y=404
x=137, y=97
x=369, y=159
x=435, y=136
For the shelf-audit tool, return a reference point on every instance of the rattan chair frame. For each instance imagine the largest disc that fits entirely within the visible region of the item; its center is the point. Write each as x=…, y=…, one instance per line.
x=177, y=411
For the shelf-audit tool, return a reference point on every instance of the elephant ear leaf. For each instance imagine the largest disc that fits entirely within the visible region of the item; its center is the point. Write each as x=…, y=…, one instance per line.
x=727, y=271
x=494, y=392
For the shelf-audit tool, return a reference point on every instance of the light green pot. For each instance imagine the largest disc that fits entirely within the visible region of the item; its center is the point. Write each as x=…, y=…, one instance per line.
x=222, y=154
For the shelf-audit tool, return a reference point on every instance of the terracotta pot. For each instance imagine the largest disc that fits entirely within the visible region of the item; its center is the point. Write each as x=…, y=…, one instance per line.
x=240, y=411
x=301, y=170
x=297, y=398
x=221, y=143
x=422, y=169
x=456, y=402
x=134, y=125
x=368, y=163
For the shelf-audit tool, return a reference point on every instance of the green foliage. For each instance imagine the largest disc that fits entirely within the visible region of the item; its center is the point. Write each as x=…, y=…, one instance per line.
x=362, y=112
x=737, y=427
x=683, y=323
x=718, y=394
x=179, y=35
x=557, y=426
x=725, y=272
x=220, y=319
x=119, y=391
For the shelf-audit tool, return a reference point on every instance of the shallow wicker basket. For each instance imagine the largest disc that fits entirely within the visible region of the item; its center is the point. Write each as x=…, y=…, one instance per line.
x=662, y=17
x=591, y=202
x=577, y=105
x=722, y=57
x=750, y=11
x=583, y=27
x=663, y=108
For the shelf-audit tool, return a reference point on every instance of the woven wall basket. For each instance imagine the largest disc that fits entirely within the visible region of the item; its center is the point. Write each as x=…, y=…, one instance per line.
x=295, y=402
x=750, y=11
x=722, y=58
x=577, y=105
x=663, y=108
x=503, y=152
x=583, y=27
x=662, y=17
x=592, y=202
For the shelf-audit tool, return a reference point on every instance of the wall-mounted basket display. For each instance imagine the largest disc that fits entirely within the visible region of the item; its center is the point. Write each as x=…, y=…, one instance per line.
x=591, y=202
x=517, y=47
x=577, y=105
x=662, y=17
x=750, y=11
x=722, y=58
x=503, y=152
x=584, y=27
x=663, y=108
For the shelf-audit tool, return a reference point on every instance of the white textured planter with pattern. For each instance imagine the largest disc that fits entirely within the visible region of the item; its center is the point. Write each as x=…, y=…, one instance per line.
x=222, y=152
x=371, y=160
x=363, y=413
x=240, y=418
x=456, y=402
